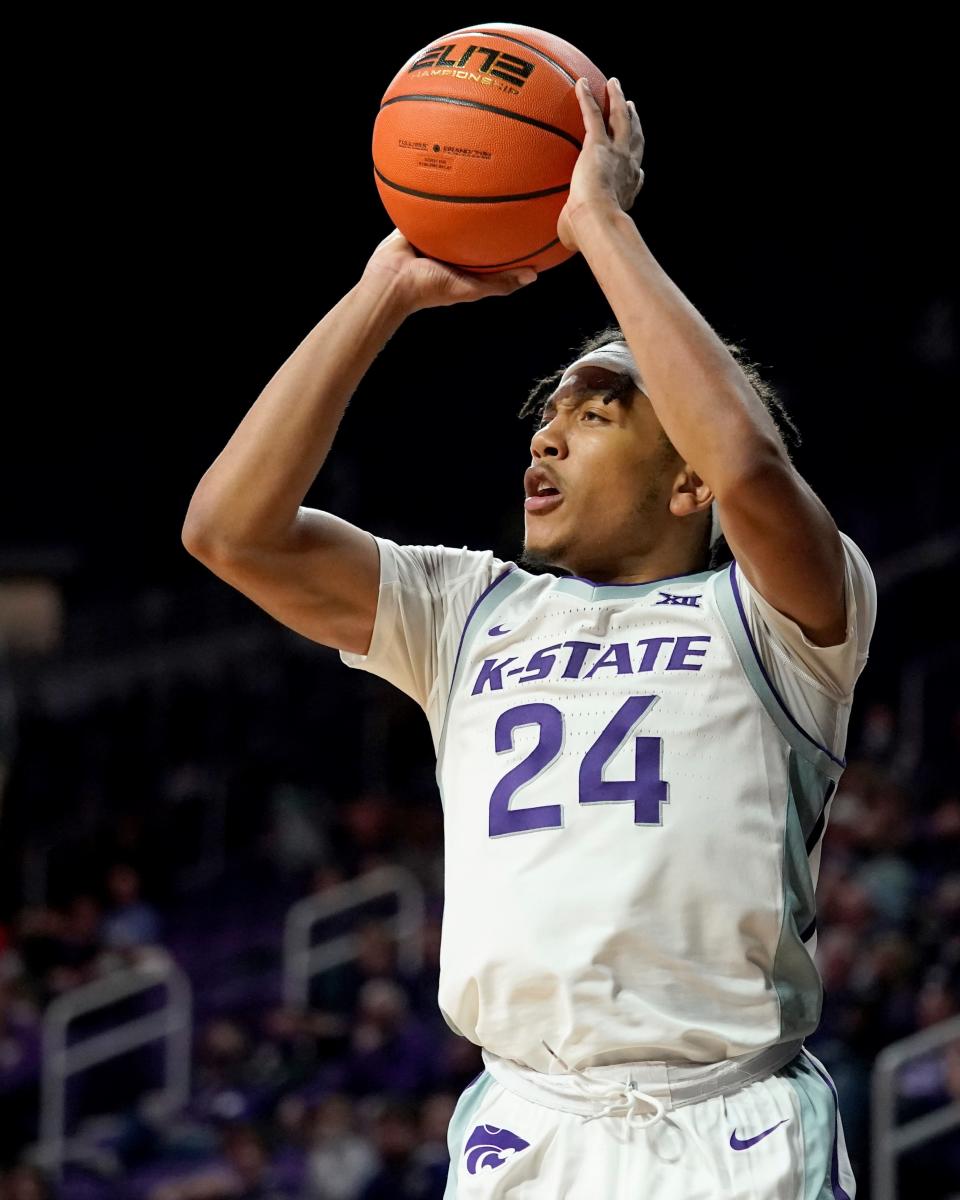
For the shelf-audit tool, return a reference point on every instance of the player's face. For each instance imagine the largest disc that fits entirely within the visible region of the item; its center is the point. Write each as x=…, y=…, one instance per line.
x=612, y=470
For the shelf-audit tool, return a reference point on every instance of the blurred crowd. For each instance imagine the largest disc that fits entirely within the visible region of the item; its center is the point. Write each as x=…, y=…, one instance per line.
x=350, y=1097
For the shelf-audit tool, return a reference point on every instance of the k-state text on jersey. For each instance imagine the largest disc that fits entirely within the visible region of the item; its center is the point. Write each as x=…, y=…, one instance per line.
x=620, y=658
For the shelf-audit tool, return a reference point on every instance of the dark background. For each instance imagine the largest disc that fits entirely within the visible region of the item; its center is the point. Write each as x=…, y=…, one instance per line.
x=215, y=197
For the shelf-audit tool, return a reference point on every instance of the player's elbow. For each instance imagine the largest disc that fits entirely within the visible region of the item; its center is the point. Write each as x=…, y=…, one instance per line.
x=197, y=540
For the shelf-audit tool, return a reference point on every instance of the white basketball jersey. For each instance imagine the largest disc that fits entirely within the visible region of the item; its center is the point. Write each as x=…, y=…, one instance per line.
x=635, y=781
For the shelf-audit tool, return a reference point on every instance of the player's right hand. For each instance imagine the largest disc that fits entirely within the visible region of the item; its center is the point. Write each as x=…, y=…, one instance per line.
x=426, y=283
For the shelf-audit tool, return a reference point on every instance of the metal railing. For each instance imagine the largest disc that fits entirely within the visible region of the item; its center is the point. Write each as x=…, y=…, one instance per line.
x=302, y=961
x=172, y=1022
x=888, y=1139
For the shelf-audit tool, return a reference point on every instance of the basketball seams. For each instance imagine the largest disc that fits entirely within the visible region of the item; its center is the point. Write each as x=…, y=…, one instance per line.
x=428, y=98
x=443, y=197
x=500, y=266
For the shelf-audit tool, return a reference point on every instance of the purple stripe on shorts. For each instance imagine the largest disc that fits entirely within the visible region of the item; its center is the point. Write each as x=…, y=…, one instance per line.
x=838, y=1191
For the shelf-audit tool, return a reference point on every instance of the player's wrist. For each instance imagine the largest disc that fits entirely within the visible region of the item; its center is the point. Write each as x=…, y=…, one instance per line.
x=600, y=215
x=388, y=292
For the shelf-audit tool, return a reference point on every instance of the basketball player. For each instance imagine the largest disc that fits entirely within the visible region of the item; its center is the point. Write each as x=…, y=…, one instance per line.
x=636, y=757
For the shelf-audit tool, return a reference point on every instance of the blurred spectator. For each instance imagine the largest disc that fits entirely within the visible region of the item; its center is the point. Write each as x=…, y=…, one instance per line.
x=245, y=1173
x=25, y=1183
x=938, y=998
x=390, y=1048
x=366, y=834
x=341, y=1161
x=225, y=1085
x=19, y=1071
x=296, y=839
x=338, y=989
x=130, y=921
x=878, y=730
x=325, y=876
x=433, y=1152
x=77, y=944
x=19, y=1039
x=403, y=1174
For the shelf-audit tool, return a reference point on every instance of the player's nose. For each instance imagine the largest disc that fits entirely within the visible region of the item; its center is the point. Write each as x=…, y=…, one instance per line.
x=548, y=440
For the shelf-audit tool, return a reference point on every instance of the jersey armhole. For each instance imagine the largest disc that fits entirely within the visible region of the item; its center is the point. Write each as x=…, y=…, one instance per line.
x=730, y=608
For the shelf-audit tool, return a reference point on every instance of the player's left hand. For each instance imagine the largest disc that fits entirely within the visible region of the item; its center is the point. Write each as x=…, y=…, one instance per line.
x=607, y=173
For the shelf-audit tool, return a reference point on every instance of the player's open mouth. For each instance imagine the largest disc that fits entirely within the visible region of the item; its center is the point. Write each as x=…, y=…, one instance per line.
x=542, y=494
x=546, y=501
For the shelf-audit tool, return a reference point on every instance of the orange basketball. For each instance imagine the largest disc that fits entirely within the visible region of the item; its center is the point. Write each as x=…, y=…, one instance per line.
x=475, y=142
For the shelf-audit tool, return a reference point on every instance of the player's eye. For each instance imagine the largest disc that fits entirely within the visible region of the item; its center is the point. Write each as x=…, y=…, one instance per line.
x=591, y=413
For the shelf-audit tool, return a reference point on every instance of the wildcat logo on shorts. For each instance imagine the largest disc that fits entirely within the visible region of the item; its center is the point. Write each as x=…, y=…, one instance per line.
x=489, y=1147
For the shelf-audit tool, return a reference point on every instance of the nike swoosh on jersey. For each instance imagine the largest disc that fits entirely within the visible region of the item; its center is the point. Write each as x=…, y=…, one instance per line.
x=737, y=1144
x=497, y=630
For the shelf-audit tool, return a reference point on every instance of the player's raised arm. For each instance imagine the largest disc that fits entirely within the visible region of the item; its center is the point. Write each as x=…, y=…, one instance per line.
x=780, y=533
x=314, y=571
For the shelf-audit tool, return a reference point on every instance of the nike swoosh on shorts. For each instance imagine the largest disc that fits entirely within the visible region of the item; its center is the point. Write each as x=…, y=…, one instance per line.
x=737, y=1144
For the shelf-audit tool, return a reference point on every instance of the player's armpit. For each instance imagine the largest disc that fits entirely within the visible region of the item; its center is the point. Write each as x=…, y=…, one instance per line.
x=788, y=546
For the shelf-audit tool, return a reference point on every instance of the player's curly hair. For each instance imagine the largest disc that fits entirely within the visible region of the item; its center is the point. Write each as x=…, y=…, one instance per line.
x=789, y=433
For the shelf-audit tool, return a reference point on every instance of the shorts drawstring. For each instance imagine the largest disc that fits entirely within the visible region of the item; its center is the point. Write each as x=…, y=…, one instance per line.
x=623, y=1093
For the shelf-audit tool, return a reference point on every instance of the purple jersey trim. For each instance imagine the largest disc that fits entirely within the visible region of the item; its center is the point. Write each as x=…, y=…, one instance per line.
x=818, y=826
x=838, y=1191
x=639, y=582
x=841, y=762
x=466, y=625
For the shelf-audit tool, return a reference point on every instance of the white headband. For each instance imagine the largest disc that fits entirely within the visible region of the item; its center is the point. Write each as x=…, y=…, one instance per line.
x=618, y=357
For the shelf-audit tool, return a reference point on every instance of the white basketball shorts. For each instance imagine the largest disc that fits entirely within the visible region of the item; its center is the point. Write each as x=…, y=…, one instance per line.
x=762, y=1127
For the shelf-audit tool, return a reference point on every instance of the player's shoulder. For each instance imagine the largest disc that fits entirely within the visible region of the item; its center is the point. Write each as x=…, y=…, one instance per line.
x=438, y=567
x=862, y=581
x=833, y=669
x=859, y=579
x=860, y=591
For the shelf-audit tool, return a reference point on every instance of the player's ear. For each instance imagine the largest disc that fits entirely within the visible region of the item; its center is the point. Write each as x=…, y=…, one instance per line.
x=690, y=493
